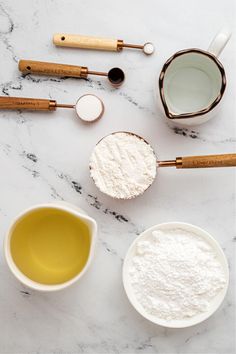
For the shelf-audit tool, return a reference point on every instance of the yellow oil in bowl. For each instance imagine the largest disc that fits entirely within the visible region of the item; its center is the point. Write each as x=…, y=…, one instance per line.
x=50, y=246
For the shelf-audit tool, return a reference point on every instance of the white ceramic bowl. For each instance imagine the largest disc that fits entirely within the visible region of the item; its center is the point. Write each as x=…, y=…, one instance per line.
x=216, y=302
x=67, y=208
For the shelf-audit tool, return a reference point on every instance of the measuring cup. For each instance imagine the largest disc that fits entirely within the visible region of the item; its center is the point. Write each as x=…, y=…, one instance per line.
x=29, y=220
x=115, y=76
x=88, y=107
x=134, y=164
x=192, y=83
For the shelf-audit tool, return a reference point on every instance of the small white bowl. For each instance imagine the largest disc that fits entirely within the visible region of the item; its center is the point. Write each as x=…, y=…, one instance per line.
x=66, y=208
x=216, y=302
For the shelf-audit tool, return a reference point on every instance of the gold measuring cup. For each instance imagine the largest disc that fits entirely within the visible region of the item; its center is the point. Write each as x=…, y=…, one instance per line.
x=127, y=154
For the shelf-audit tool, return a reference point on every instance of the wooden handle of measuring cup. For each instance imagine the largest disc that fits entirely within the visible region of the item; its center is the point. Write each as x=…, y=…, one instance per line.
x=54, y=69
x=86, y=42
x=33, y=104
x=224, y=160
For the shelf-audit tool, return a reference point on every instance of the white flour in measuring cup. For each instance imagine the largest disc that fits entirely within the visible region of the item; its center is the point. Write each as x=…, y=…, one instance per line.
x=123, y=165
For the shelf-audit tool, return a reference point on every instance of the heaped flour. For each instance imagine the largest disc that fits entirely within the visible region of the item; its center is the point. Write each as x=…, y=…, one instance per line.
x=123, y=165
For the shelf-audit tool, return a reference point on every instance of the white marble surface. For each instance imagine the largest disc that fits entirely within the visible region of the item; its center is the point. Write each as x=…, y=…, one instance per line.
x=44, y=157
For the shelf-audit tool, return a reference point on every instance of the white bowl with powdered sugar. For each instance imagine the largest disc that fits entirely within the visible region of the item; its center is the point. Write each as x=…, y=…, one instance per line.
x=175, y=274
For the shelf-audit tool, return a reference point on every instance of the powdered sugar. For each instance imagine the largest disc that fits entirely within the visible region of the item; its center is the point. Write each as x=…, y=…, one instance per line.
x=175, y=274
x=123, y=165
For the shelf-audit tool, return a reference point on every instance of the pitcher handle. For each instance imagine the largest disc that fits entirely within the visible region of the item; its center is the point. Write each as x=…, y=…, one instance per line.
x=219, y=42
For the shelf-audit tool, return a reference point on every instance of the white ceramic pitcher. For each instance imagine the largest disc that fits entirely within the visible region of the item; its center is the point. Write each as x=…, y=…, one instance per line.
x=192, y=83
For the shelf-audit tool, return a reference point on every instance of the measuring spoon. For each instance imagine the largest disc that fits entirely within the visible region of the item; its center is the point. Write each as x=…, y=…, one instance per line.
x=131, y=156
x=88, y=107
x=115, y=75
x=99, y=43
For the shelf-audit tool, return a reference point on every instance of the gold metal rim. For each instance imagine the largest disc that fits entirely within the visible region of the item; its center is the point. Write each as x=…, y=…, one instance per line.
x=84, y=72
x=172, y=115
x=52, y=105
x=120, y=43
x=178, y=162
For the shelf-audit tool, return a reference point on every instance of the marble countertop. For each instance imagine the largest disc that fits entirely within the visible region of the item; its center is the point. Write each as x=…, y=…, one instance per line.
x=44, y=157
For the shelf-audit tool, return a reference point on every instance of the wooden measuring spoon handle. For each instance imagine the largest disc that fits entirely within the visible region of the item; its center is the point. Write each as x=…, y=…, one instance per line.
x=224, y=160
x=87, y=42
x=54, y=69
x=33, y=104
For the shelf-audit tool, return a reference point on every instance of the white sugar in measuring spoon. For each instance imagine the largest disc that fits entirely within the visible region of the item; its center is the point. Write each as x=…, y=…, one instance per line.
x=123, y=165
x=88, y=107
x=148, y=48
